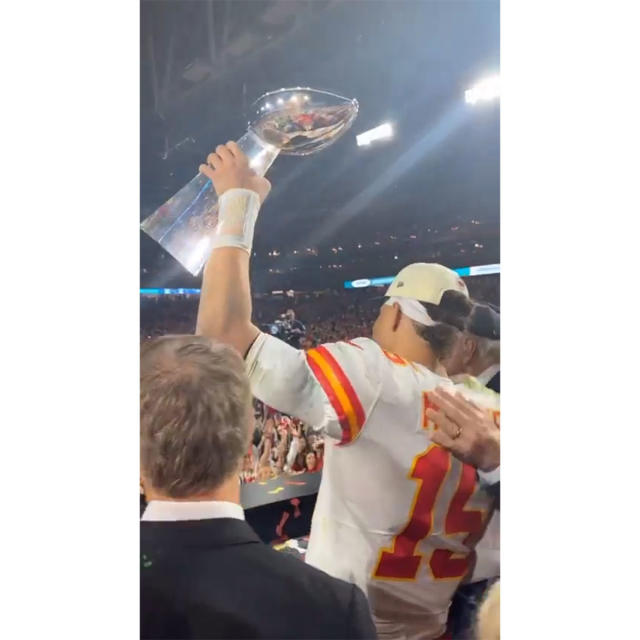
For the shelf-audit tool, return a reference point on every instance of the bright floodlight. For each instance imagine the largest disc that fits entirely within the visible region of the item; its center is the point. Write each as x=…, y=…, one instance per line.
x=382, y=132
x=485, y=90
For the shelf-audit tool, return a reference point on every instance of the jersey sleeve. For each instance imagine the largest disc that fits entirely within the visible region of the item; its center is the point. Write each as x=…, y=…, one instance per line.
x=349, y=374
x=332, y=387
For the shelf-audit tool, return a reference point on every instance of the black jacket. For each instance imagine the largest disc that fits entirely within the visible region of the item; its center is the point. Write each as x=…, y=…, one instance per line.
x=494, y=383
x=216, y=579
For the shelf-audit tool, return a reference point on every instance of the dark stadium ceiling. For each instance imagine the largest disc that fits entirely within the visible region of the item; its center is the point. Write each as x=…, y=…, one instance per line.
x=430, y=193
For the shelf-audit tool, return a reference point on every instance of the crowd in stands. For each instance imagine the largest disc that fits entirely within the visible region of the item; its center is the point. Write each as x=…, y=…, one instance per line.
x=168, y=314
x=328, y=316
x=485, y=288
x=280, y=444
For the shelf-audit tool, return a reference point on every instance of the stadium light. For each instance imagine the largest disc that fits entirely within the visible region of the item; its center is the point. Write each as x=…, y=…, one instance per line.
x=383, y=132
x=486, y=90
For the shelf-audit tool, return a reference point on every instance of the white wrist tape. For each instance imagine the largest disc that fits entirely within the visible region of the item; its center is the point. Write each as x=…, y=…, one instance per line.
x=237, y=215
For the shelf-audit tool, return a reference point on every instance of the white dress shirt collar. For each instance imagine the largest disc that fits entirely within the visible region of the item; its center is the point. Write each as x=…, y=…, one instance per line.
x=169, y=510
x=487, y=374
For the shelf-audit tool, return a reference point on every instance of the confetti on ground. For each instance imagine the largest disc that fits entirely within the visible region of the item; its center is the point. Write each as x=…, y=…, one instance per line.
x=297, y=484
x=277, y=490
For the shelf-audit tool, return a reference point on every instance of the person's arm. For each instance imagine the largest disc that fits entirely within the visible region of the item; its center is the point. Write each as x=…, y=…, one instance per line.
x=281, y=451
x=332, y=387
x=293, y=451
x=224, y=312
x=266, y=454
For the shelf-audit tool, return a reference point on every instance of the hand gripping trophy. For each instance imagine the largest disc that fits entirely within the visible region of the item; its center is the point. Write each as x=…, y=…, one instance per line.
x=295, y=122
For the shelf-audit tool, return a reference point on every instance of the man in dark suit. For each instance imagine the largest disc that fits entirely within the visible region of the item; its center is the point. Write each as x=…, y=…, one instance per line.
x=204, y=572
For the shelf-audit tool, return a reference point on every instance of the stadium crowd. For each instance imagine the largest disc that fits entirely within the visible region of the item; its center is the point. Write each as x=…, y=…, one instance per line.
x=328, y=315
x=280, y=444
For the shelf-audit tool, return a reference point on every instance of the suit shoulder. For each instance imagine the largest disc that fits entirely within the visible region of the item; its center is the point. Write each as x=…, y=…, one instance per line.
x=308, y=577
x=320, y=592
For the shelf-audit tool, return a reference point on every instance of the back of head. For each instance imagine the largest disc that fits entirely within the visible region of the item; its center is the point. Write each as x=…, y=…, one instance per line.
x=450, y=317
x=195, y=407
x=443, y=300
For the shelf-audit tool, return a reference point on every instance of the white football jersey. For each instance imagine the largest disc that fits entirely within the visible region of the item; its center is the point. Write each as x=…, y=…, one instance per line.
x=396, y=514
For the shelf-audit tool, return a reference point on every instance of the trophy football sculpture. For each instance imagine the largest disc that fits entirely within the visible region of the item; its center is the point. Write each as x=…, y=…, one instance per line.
x=295, y=122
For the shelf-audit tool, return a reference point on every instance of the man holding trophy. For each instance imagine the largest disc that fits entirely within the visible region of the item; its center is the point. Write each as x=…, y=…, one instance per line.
x=396, y=514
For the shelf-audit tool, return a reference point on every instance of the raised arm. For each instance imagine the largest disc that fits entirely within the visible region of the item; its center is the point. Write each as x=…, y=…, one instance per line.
x=281, y=376
x=224, y=312
x=225, y=301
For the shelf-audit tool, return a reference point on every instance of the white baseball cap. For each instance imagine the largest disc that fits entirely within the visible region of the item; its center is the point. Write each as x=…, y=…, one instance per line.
x=426, y=282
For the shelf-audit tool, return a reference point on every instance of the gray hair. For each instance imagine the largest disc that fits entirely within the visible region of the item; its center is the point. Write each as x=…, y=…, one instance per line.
x=195, y=406
x=488, y=350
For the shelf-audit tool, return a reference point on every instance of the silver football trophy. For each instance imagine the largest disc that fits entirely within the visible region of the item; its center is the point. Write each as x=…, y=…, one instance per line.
x=296, y=122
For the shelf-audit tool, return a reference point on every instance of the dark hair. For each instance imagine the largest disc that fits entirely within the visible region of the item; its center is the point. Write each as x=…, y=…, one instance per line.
x=314, y=454
x=451, y=315
x=484, y=321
